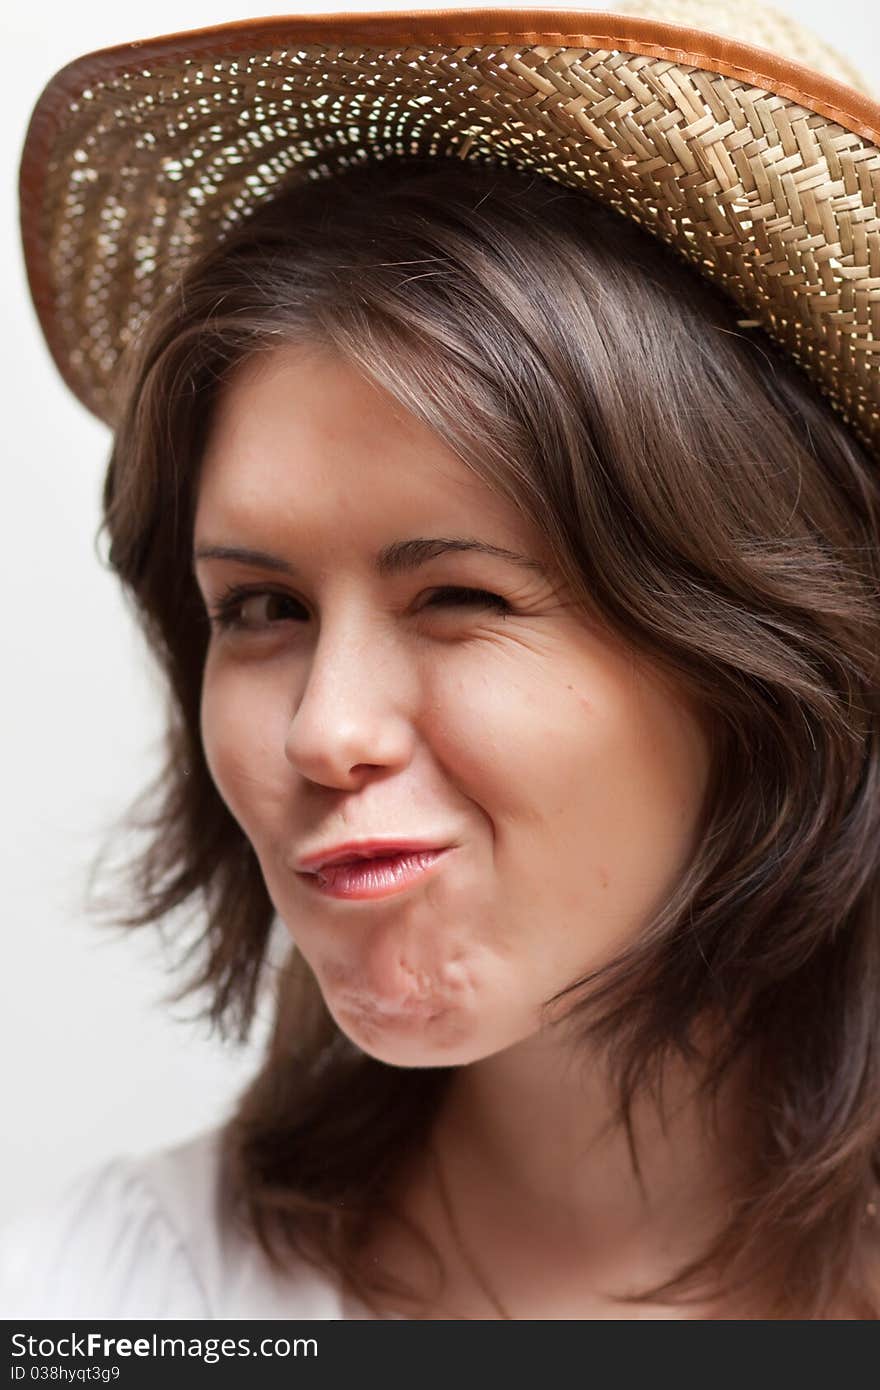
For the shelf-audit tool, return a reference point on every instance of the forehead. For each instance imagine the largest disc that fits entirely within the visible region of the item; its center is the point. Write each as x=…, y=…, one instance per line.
x=300, y=433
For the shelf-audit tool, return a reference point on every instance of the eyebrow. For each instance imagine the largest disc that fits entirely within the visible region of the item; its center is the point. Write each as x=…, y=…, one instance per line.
x=396, y=558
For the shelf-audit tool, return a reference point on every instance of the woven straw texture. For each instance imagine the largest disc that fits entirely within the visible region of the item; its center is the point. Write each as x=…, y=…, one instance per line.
x=130, y=173
x=755, y=24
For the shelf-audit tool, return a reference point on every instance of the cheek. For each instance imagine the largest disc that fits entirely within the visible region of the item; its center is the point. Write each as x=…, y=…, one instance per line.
x=643, y=776
x=485, y=725
x=243, y=743
x=594, y=780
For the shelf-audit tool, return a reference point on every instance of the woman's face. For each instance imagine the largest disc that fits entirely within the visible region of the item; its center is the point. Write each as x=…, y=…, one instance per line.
x=352, y=703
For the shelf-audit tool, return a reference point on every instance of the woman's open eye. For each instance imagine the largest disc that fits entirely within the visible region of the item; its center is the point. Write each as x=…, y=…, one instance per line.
x=226, y=613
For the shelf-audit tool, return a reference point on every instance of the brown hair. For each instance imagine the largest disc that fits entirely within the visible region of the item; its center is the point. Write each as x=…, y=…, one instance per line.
x=704, y=504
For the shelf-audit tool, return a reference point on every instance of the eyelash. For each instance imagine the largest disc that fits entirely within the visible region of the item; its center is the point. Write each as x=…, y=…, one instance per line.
x=225, y=612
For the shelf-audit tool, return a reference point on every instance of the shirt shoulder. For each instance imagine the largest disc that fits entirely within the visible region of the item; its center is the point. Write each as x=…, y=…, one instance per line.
x=144, y=1237
x=100, y=1247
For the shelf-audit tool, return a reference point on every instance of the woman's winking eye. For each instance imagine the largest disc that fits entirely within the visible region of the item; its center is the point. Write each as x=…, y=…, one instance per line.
x=225, y=614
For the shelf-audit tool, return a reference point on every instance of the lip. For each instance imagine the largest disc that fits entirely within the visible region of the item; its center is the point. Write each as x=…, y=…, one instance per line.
x=377, y=877
x=365, y=849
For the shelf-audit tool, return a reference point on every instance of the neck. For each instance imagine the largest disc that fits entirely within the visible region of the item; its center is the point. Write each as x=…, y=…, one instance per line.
x=539, y=1174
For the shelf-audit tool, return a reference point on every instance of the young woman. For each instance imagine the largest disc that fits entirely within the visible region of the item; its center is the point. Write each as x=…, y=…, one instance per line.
x=518, y=597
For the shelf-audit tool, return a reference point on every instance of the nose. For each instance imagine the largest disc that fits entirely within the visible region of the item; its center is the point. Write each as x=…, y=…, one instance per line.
x=355, y=711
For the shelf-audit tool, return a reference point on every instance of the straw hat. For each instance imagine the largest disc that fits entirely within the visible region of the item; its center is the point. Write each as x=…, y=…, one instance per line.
x=727, y=130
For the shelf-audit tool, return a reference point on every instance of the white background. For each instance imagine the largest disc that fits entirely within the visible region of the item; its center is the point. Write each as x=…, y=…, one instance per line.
x=93, y=1063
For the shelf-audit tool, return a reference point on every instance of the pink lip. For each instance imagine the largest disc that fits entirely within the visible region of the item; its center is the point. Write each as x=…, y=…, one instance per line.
x=377, y=877
x=363, y=849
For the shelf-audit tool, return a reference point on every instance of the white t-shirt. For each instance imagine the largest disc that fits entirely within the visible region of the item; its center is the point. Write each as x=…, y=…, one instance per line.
x=139, y=1238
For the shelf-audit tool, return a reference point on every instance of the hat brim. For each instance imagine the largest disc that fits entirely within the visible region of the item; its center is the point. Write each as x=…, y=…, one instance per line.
x=762, y=172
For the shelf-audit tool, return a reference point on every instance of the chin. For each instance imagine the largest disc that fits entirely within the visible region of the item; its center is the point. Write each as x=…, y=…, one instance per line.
x=411, y=1038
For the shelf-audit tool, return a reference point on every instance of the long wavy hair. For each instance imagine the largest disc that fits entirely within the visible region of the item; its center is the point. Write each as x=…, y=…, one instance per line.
x=708, y=507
